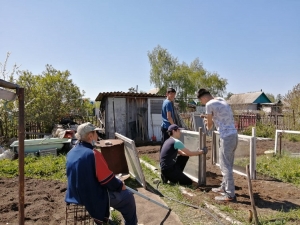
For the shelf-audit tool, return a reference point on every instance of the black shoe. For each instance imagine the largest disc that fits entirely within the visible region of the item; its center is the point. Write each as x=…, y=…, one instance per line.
x=164, y=179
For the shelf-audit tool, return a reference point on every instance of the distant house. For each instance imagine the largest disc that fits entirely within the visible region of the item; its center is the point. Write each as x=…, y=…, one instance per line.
x=254, y=102
x=135, y=115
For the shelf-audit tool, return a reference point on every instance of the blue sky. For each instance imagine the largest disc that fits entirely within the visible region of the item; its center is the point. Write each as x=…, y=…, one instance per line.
x=104, y=44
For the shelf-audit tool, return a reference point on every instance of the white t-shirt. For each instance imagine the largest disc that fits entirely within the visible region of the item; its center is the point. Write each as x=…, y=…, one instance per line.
x=222, y=116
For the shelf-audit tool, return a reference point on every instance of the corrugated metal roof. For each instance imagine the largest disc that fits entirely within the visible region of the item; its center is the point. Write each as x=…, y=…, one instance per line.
x=101, y=95
x=245, y=98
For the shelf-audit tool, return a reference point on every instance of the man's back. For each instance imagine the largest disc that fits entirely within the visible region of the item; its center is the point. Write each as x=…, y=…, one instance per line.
x=83, y=186
x=222, y=116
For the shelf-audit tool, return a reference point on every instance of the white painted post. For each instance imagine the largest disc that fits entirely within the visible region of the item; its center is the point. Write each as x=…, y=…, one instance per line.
x=253, y=154
x=276, y=139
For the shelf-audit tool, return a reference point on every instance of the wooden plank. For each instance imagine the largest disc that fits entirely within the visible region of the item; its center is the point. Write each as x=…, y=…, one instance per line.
x=251, y=197
x=7, y=95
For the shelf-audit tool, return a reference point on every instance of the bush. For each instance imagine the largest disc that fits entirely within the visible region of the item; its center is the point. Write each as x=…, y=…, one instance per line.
x=262, y=130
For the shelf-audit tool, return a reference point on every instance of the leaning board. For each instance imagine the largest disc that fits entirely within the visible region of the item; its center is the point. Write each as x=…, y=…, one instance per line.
x=133, y=161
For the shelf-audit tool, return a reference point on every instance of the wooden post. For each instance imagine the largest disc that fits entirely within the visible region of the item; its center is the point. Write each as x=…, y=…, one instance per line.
x=251, y=195
x=21, y=148
x=202, y=159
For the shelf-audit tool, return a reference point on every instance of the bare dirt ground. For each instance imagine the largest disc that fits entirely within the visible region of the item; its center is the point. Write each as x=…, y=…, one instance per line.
x=269, y=194
x=44, y=200
x=45, y=205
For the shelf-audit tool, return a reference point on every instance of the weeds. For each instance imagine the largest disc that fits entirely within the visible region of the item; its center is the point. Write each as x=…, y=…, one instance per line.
x=262, y=130
x=46, y=167
x=284, y=168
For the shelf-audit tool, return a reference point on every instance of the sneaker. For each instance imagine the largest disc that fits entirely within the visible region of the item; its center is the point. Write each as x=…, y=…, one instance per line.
x=164, y=179
x=218, y=190
x=225, y=198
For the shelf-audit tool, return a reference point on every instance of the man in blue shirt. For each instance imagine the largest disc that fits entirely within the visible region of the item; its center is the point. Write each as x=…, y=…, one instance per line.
x=92, y=184
x=167, y=113
x=174, y=156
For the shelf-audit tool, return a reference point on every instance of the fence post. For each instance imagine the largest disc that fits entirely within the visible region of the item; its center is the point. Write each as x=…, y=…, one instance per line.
x=202, y=160
x=213, y=148
x=253, y=154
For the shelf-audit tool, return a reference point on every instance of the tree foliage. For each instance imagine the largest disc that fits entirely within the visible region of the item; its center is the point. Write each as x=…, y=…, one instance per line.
x=271, y=97
x=166, y=72
x=50, y=96
x=292, y=104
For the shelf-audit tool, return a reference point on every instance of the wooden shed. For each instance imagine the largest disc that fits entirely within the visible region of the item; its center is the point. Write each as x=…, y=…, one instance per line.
x=134, y=115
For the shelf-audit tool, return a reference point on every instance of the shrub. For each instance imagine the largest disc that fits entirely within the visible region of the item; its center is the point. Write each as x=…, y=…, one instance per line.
x=262, y=130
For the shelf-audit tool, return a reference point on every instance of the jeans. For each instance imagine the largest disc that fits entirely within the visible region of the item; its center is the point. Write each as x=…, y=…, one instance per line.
x=175, y=173
x=164, y=136
x=226, y=156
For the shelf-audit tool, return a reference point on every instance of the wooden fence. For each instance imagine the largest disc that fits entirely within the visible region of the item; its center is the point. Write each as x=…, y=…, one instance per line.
x=242, y=121
x=33, y=129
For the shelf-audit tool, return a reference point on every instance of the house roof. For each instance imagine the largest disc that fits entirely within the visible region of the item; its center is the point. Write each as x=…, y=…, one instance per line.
x=101, y=95
x=249, y=98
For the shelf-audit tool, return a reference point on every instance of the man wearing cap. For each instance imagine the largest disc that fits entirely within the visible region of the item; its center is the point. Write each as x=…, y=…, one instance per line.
x=92, y=184
x=167, y=113
x=174, y=156
x=220, y=113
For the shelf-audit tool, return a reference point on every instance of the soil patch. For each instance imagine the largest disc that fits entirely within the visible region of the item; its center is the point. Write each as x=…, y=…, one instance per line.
x=44, y=204
x=270, y=194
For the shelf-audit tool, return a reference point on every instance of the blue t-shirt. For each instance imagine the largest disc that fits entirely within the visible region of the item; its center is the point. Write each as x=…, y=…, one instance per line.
x=169, y=152
x=167, y=107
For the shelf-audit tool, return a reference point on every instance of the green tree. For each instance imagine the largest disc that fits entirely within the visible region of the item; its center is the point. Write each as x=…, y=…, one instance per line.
x=292, y=104
x=50, y=96
x=8, y=109
x=186, y=79
x=229, y=94
x=163, y=65
x=271, y=97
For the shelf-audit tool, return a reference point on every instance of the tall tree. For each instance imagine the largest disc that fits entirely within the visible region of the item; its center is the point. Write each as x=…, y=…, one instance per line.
x=163, y=65
x=292, y=104
x=50, y=96
x=186, y=79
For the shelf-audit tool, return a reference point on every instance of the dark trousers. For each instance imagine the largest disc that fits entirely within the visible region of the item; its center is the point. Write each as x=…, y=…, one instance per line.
x=175, y=173
x=164, y=136
x=124, y=202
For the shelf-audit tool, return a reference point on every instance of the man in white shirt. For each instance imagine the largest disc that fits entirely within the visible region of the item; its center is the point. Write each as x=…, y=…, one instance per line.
x=218, y=112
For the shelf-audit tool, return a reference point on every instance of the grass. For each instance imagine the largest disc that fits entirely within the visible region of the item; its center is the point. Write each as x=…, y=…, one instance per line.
x=281, y=218
x=46, y=167
x=284, y=168
x=278, y=167
x=187, y=215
